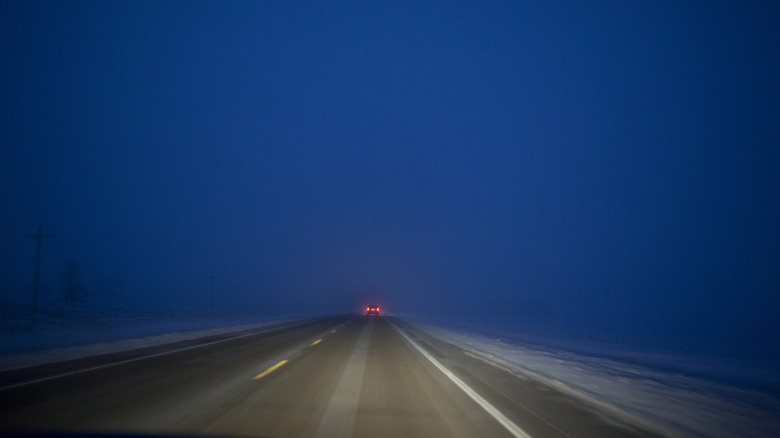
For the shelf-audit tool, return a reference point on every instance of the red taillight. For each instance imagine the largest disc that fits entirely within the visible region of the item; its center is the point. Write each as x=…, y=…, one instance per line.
x=368, y=309
x=377, y=309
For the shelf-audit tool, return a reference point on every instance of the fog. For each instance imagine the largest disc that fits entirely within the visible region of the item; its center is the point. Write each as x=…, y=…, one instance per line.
x=601, y=170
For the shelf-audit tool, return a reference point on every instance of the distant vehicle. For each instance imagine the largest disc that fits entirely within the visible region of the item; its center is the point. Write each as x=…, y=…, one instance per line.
x=372, y=310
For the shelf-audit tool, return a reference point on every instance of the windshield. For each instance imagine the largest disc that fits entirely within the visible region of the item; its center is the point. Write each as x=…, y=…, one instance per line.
x=416, y=219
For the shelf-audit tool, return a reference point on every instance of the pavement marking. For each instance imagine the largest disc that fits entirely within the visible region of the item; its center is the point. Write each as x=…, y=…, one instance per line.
x=489, y=408
x=165, y=353
x=333, y=331
x=492, y=362
x=269, y=370
x=340, y=415
x=315, y=342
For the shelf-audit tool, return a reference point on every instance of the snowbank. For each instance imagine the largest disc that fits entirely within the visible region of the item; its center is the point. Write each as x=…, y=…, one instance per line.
x=680, y=394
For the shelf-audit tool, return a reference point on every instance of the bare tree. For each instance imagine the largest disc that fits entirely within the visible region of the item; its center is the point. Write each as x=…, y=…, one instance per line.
x=71, y=289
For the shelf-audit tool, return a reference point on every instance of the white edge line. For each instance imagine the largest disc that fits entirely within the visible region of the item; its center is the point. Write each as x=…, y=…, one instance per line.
x=489, y=408
x=164, y=353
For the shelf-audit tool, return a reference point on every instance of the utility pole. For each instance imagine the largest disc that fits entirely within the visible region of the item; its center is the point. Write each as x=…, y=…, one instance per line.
x=39, y=237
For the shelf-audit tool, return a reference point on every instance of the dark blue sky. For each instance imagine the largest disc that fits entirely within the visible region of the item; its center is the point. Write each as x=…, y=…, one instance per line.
x=605, y=166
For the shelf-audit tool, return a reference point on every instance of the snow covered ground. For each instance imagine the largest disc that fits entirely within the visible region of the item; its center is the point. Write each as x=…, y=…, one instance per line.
x=675, y=393
x=73, y=334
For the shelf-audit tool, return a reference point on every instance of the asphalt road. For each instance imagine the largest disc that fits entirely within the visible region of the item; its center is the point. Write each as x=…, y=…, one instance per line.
x=334, y=377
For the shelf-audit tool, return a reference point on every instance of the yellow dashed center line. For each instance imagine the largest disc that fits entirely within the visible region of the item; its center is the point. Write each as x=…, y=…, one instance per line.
x=269, y=370
x=315, y=342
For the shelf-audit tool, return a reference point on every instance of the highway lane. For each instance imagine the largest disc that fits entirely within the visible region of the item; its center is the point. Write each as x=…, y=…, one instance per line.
x=331, y=377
